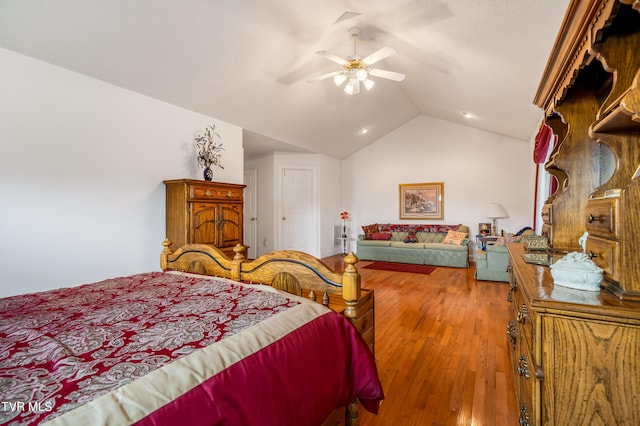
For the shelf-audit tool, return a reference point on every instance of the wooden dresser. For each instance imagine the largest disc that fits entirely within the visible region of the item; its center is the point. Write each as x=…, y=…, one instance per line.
x=590, y=93
x=575, y=354
x=202, y=212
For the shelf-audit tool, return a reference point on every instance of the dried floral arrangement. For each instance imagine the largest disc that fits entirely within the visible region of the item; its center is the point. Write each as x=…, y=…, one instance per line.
x=209, y=152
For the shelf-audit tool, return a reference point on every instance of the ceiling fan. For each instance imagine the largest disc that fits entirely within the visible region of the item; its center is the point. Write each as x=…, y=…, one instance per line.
x=357, y=69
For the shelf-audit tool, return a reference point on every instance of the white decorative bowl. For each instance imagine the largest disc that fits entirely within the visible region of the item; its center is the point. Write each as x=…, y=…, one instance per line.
x=577, y=271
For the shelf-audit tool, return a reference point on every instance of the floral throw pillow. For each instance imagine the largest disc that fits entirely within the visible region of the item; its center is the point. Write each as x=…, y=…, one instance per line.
x=455, y=238
x=370, y=229
x=411, y=236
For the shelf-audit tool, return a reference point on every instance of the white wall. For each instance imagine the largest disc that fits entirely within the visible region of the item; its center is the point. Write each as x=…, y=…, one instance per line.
x=330, y=203
x=477, y=167
x=81, y=171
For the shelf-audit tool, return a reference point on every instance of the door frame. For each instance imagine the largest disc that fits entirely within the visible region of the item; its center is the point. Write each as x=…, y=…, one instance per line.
x=252, y=252
x=315, y=243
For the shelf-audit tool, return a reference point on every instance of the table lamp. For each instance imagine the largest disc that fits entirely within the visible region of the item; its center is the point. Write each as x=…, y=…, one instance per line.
x=495, y=211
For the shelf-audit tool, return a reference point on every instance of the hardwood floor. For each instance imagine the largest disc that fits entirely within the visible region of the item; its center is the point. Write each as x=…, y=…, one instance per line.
x=441, y=349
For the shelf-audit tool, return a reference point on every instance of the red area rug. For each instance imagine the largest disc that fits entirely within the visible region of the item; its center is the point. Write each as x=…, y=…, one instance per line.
x=402, y=267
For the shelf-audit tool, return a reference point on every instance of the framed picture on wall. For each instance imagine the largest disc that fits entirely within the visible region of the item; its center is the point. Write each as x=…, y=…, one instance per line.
x=484, y=229
x=422, y=200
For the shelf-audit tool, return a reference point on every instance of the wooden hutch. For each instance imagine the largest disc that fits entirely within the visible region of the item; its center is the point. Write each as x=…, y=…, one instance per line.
x=576, y=354
x=202, y=212
x=590, y=92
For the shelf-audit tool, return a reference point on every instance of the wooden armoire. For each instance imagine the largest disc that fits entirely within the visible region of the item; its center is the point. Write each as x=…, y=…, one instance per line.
x=202, y=212
x=576, y=353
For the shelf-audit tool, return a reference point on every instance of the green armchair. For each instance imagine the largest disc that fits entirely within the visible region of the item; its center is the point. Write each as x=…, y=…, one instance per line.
x=492, y=263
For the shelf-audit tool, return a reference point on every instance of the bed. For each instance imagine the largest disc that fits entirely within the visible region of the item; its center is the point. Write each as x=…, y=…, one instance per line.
x=209, y=340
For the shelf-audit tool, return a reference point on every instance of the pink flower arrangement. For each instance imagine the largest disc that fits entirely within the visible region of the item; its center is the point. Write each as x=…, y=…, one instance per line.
x=344, y=216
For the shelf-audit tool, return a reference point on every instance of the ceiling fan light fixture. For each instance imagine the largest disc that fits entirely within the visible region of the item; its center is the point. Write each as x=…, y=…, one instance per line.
x=339, y=79
x=368, y=83
x=353, y=87
x=362, y=74
x=348, y=89
x=356, y=69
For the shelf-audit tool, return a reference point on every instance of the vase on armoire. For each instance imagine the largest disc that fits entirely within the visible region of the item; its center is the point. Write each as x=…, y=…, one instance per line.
x=208, y=174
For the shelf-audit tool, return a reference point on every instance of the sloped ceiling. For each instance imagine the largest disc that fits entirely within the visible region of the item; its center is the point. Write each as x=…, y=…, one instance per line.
x=246, y=61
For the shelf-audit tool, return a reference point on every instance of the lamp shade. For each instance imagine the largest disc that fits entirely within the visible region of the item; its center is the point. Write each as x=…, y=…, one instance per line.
x=495, y=210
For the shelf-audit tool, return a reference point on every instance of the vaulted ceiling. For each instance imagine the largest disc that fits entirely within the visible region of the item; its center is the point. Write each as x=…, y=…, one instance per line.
x=247, y=61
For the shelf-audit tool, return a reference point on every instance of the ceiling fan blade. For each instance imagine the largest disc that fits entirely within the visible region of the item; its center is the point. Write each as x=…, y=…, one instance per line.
x=391, y=75
x=379, y=55
x=323, y=76
x=330, y=56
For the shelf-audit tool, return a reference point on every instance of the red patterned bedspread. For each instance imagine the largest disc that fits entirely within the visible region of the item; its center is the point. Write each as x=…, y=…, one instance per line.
x=167, y=348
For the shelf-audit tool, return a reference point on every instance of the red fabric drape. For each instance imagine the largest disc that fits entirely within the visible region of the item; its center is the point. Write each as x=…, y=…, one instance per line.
x=540, y=151
x=553, y=185
x=542, y=143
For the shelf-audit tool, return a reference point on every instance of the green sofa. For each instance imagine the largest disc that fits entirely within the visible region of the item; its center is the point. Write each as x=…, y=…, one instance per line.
x=429, y=248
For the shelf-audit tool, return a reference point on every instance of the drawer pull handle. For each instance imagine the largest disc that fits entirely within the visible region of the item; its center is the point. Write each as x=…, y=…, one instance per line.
x=593, y=218
x=523, y=367
x=524, y=416
x=512, y=332
x=522, y=315
x=592, y=254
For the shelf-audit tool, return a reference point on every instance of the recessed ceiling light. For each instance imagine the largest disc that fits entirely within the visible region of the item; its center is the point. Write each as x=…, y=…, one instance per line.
x=364, y=131
x=466, y=114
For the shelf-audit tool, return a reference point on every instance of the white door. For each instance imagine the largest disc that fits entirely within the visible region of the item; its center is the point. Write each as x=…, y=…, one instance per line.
x=298, y=228
x=250, y=220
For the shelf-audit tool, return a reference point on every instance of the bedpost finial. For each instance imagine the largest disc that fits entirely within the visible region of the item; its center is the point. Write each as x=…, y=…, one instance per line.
x=239, y=252
x=166, y=251
x=166, y=243
x=351, y=259
x=236, y=262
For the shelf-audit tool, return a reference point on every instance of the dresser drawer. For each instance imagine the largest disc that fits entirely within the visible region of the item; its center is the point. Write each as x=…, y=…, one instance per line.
x=527, y=379
x=605, y=254
x=522, y=315
x=204, y=192
x=602, y=217
x=524, y=382
x=364, y=322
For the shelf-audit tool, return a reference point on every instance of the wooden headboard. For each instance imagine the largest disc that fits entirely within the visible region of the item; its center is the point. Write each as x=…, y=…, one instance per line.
x=285, y=269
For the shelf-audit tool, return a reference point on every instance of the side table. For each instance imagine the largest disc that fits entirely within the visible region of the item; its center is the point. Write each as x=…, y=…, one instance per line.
x=343, y=240
x=488, y=240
